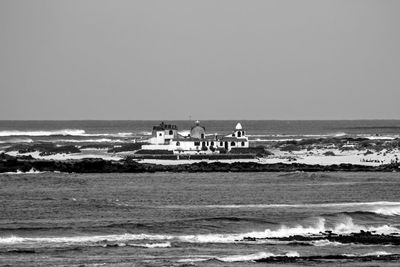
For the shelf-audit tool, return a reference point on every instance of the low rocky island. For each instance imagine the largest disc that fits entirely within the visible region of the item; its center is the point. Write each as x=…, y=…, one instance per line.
x=11, y=164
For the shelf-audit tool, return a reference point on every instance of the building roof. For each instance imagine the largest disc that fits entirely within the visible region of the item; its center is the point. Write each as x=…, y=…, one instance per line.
x=164, y=126
x=198, y=126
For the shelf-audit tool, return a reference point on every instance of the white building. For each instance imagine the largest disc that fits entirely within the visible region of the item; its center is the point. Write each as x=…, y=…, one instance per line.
x=166, y=137
x=163, y=134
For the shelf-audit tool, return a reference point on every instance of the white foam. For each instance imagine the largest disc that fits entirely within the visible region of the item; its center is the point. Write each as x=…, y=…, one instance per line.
x=378, y=137
x=388, y=211
x=265, y=255
x=152, y=245
x=17, y=140
x=345, y=226
x=43, y=133
x=324, y=242
x=375, y=253
x=241, y=258
x=82, y=239
x=63, y=132
x=250, y=257
x=31, y=171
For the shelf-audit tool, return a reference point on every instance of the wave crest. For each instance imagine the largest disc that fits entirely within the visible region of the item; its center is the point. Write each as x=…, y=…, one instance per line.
x=63, y=132
x=256, y=256
x=345, y=226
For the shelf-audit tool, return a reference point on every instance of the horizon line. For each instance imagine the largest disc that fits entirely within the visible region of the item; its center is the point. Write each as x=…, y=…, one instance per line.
x=391, y=119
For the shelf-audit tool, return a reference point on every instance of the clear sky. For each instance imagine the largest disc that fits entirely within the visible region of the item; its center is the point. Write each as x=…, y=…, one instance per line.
x=209, y=59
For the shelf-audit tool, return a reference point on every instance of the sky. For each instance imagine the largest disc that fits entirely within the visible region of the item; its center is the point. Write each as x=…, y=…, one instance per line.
x=208, y=59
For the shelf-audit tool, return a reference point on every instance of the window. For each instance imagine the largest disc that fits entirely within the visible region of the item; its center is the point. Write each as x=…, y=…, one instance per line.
x=202, y=136
x=212, y=143
x=243, y=143
x=239, y=134
x=232, y=143
x=171, y=132
x=196, y=143
x=204, y=143
x=233, y=134
x=160, y=134
x=221, y=143
x=178, y=143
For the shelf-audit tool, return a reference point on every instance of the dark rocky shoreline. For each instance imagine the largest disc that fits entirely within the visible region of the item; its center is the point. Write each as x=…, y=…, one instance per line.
x=25, y=164
x=329, y=258
x=363, y=237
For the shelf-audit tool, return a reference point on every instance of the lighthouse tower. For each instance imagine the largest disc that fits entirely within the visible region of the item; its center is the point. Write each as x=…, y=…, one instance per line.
x=239, y=132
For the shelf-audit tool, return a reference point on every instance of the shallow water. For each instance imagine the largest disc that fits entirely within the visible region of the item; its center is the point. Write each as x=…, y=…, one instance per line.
x=200, y=219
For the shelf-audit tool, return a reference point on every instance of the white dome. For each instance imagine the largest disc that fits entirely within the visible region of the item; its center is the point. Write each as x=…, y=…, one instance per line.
x=238, y=126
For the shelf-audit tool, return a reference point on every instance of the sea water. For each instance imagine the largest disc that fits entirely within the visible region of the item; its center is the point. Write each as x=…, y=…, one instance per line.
x=200, y=219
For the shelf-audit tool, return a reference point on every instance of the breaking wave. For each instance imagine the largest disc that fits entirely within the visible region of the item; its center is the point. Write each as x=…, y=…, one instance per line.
x=75, y=132
x=388, y=211
x=152, y=245
x=31, y=171
x=242, y=258
x=345, y=226
x=64, y=132
x=256, y=256
x=293, y=256
x=17, y=140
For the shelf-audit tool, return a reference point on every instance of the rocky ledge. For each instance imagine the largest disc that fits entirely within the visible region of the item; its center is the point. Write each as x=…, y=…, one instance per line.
x=363, y=237
x=18, y=164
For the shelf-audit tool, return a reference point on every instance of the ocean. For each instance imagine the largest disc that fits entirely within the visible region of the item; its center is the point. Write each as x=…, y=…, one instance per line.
x=196, y=219
x=121, y=131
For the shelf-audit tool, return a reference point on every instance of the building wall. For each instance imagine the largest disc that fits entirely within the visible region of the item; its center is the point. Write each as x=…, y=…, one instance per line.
x=191, y=147
x=186, y=145
x=159, y=138
x=163, y=135
x=170, y=134
x=163, y=139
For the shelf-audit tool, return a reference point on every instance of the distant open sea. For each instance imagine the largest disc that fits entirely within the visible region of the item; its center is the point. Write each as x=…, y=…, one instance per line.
x=193, y=219
x=102, y=131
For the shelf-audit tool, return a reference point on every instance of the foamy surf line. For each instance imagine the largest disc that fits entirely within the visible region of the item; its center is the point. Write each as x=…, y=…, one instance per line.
x=345, y=226
x=31, y=171
x=63, y=132
x=292, y=256
x=241, y=258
